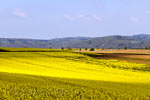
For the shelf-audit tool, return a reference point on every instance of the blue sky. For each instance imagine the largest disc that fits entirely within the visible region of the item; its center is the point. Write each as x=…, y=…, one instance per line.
x=46, y=19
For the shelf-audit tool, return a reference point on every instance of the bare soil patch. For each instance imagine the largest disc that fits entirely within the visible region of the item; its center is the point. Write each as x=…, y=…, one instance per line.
x=130, y=55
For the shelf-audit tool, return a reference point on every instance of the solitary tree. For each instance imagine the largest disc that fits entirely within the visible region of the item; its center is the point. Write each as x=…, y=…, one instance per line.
x=62, y=48
x=86, y=49
x=125, y=48
x=92, y=49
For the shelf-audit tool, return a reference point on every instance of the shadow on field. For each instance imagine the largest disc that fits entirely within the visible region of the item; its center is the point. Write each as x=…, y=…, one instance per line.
x=3, y=50
x=31, y=50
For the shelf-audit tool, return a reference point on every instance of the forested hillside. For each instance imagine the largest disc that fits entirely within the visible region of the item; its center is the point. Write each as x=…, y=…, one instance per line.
x=136, y=41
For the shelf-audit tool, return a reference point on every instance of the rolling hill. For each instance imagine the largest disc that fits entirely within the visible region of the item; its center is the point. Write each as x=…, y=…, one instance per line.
x=135, y=41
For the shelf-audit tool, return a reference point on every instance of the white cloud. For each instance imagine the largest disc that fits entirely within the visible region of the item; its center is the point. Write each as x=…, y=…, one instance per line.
x=19, y=12
x=134, y=19
x=82, y=17
x=97, y=18
x=147, y=12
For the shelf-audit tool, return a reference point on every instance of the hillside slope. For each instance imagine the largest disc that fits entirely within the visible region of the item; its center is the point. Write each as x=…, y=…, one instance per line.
x=136, y=41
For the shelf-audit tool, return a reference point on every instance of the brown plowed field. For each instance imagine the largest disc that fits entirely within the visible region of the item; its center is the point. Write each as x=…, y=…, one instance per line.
x=131, y=55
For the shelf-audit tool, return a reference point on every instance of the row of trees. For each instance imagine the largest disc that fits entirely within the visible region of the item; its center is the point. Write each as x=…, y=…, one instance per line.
x=148, y=47
x=93, y=49
x=90, y=49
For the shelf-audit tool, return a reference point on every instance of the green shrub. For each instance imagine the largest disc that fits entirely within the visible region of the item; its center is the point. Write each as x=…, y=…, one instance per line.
x=62, y=48
x=86, y=49
x=92, y=49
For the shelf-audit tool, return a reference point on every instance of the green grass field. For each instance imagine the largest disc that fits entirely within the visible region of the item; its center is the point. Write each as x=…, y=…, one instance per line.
x=66, y=75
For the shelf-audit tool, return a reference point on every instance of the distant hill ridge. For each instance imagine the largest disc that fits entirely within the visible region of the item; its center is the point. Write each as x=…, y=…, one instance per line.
x=111, y=42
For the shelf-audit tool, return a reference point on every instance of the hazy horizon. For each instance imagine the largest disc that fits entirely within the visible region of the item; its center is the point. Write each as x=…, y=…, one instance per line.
x=47, y=19
x=69, y=37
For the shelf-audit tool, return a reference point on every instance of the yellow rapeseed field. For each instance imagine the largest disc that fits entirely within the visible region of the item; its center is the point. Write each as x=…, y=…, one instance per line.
x=66, y=75
x=72, y=65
